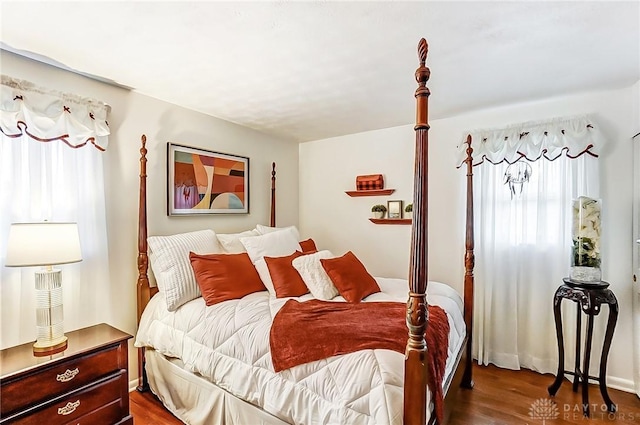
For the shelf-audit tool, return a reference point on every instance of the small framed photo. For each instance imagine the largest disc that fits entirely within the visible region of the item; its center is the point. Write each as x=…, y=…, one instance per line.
x=201, y=181
x=394, y=209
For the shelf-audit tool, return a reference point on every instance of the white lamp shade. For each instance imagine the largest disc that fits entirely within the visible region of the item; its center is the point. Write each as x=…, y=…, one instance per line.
x=43, y=244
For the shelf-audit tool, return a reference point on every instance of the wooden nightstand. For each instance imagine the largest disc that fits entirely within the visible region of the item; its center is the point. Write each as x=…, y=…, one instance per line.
x=85, y=384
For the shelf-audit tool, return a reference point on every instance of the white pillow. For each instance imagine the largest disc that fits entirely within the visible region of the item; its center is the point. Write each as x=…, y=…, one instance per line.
x=275, y=244
x=314, y=275
x=231, y=242
x=265, y=276
x=263, y=230
x=169, y=257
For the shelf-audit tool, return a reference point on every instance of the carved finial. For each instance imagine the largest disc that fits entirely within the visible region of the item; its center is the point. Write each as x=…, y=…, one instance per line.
x=423, y=49
x=422, y=73
x=143, y=149
x=469, y=151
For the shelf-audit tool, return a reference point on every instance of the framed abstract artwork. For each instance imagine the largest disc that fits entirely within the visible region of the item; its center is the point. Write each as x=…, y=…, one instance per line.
x=201, y=181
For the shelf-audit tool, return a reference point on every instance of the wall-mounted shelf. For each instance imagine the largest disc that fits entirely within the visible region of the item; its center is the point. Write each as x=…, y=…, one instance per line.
x=373, y=192
x=390, y=220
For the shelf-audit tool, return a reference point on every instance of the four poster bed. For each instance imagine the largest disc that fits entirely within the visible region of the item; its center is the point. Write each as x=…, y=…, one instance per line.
x=239, y=383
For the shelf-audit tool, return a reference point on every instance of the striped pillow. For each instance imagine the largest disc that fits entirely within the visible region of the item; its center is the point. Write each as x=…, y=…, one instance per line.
x=169, y=257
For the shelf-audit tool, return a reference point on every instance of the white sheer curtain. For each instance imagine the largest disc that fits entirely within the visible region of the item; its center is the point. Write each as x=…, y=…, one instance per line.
x=523, y=241
x=51, y=169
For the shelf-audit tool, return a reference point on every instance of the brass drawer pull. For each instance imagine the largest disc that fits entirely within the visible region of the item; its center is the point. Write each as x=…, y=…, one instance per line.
x=68, y=375
x=69, y=408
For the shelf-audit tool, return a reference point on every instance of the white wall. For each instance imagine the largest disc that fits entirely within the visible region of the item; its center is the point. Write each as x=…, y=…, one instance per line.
x=328, y=168
x=338, y=222
x=132, y=115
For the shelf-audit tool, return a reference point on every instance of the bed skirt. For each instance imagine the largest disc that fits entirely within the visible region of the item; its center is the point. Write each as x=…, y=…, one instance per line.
x=180, y=390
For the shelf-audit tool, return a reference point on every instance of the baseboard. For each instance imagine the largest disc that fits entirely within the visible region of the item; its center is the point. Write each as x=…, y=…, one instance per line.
x=133, y=384
x=625, y=385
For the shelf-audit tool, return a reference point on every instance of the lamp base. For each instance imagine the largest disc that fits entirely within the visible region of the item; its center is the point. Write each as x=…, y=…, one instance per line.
x=48, y=348
x=49, y=313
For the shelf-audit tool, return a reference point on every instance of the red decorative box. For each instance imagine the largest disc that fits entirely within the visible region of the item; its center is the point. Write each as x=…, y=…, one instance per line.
x=370, y=182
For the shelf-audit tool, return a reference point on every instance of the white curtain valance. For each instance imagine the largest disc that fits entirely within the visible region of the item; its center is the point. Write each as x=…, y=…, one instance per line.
x=46, y=115
x=551, y=139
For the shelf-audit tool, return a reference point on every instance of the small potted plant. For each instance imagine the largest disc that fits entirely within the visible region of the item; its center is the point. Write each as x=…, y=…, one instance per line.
x=378, y=211
x=409, y=211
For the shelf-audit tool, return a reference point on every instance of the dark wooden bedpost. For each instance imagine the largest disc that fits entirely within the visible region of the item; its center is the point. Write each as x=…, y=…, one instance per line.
x=469, y=263
x=415, y=364
x=272, y=221
x=143, y=290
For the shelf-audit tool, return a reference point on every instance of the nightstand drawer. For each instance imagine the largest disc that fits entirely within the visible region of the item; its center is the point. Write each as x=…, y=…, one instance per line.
x=48, y=383
x=82, y=404
x=109, y=414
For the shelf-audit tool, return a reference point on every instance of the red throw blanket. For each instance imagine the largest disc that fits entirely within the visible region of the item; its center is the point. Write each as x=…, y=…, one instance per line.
x=314, y=330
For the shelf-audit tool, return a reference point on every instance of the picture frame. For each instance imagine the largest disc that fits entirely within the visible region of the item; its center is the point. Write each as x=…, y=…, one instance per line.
x=394, y=209
x=201, y=181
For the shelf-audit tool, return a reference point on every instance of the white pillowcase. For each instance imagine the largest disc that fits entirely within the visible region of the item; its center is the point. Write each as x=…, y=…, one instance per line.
x=231, y=242
x=263, y=230
x=169, y=257
x=274, y=244
x=314, y=275
x=265, y=276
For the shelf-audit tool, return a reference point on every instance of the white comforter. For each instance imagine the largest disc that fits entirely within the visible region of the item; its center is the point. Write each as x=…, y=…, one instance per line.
x=228, y=343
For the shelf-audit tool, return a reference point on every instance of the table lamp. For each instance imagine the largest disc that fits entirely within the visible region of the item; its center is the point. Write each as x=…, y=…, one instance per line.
x=45, y=244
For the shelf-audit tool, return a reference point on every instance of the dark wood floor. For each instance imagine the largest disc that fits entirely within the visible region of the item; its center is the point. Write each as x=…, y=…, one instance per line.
x=499, y=397
x=506, y=397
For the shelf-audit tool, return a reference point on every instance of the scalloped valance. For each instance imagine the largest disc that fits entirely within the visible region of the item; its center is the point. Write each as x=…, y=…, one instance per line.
x=551, y=139
x=46, y=115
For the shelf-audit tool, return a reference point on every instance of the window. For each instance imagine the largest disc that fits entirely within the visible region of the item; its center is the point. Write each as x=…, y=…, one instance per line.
x=523, y=242
x=51, y=152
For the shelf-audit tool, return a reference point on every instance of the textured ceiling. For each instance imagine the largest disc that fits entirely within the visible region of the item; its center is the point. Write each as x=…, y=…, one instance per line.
x=311, y=70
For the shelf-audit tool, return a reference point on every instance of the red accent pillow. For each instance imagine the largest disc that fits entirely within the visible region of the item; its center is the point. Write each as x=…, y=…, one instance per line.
x=286, y=280
x=223, y=277
x=308, y=246
x=350, y=277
